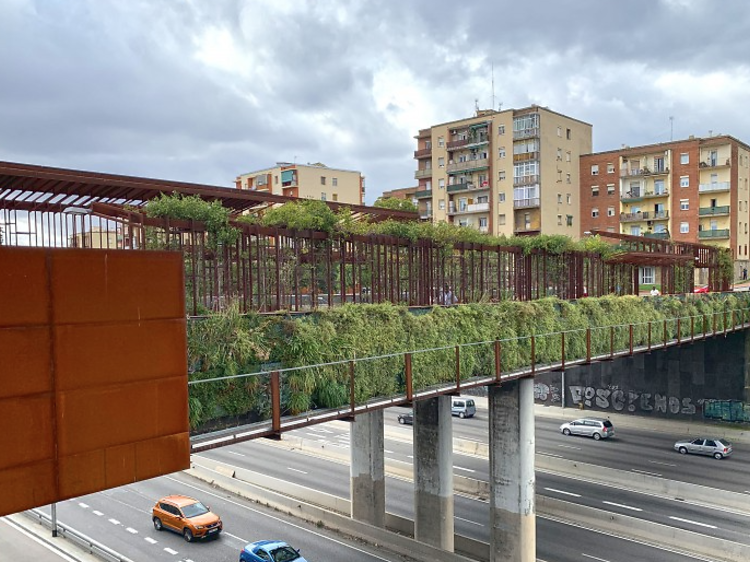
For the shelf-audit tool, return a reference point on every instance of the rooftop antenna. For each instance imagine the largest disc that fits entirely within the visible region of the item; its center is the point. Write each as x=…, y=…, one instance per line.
x=493, y=85
x=671, y=128
x=476, y=104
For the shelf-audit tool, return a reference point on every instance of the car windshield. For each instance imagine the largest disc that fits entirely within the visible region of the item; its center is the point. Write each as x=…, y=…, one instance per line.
x=607, y=423
x=723, y=442
x=470, y=403
x=284, y=554
x=194, y=510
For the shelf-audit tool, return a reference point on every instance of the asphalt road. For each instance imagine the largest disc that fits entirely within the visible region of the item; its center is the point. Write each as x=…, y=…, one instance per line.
x=17, y=544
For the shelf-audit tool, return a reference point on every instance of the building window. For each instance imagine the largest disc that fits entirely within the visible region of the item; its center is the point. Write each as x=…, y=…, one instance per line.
x=441, y=204
x=559, y=198
x=441, y=162
x=610, y=189
x=441, y=183
x=322, y=195
x=559, y=131
x=659, y=187
x=568, y=198
x=501, y=129
x=559, y=153
x=647, y=276
x=501, y=152
x=567, y=134
x=595, y=212
x=482, y=222
x=567, y=178
x=567, y=156
x=335, y=196
x=684, y=204
x=569, y=220
x=684, y=158
x=334, y=182
x=594, y=191
x=610, y=168
x=501, y=219
x=501, y=175
x=594, y=169
x=684, y=181
x=684, y=228
x=559, y=220
x=322, y=180
x=502, y=196
x=610, y=211
x=276, y=180
x=635, y=230
x=441, y=142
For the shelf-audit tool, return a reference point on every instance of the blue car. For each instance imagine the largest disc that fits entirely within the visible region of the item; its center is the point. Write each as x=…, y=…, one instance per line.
x=270, y=551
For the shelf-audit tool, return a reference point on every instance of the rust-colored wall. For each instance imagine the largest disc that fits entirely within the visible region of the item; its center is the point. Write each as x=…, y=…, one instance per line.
x=93, y=372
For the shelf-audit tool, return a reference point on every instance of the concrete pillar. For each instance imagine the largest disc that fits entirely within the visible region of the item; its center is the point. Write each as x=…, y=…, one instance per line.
x=368, y=468
x=433, y=472
x=512, y=483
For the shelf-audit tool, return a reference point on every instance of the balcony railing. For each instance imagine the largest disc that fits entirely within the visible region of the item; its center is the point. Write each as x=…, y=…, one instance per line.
x=466, y=143
x=715, y=163
x=467, y=209
x=713, y=211
x=468, y=186
x=526, y=203
x=714, y=186
x=713, y=234
x=477, y=164
x=525, y=156
x=423, y=153
x=525, y=180
x=525, y=134
x=424, y=215
x=655, y=194
x=423, y=173
x=644, y=171
x=423, y=194
x=644, y=216
x=632, y=195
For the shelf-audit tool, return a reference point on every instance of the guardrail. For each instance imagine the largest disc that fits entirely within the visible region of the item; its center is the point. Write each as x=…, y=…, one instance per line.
x=88, y=544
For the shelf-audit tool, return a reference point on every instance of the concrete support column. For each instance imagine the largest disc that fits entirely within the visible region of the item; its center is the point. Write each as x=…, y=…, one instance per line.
x=512, y=483
x=433, y=472
x=368, y=468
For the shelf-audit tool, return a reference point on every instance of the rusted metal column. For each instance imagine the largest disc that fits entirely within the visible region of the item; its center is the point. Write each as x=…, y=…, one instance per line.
x=498, y=364
x=458, y=368
x=275, y=402
x=409, y=380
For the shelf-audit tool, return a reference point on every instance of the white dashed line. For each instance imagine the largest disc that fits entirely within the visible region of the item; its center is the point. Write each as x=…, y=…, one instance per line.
x=462, y=468
x=114, y=521
x=631, y=508
x=399, y=461
x=170, y=551
x=98, y=513
x=693, y=522
x=570, y=447
x=131, y=531
x=645, y=472
x=316, y=435
x=593, y=557
x=410, y=456
x=296, y=470
x=83, y=505
x=470, y=521
x=150, y=540
x=236, y=454
x=387, y=451
x=563, y=492
x=552, y=455
x=662, y=463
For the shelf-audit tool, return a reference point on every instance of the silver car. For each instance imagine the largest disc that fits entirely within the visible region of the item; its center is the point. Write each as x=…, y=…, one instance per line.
x=717, y=448
x=598, y=428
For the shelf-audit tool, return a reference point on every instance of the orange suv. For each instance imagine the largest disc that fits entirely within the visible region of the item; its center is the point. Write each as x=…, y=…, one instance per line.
x=186, y=516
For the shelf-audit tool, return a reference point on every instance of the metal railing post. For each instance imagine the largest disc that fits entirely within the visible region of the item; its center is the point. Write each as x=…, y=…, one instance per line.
x=352, y=398
x=275, y=402
x=498, y=364
x=409, y=383
x=458, y=368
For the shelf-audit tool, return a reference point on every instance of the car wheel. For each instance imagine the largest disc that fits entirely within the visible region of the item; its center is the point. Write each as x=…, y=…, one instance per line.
x=157, y=524
x=461, y=415
x=683, y=450
x=718, y=456
x=187, y=534
x=566, y=431
x=597, y=437
x=401, y=421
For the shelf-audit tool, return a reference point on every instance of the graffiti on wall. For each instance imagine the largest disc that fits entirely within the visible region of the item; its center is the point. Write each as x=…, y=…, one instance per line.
x=547, y=393
x=726, y=410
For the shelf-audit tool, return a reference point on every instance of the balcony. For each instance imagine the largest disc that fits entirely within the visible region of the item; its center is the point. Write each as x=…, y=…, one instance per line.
x=423, y=194
x=655, y=194
x=714, y=234
x=467, y=142
x=478, y=164
x=715, y=163
x=526, y=203
x=644, y=216
x=525, y=134
x=425, y=215
x=713, y=211
x=468, y=186
x=423, y=173
x=632, y=196
x=644, y=171
x=423, y=153
x=484, y=229
x=714, y=186
x=469, y=209
x=525, y=180
x=525, y=156
x=657, y=235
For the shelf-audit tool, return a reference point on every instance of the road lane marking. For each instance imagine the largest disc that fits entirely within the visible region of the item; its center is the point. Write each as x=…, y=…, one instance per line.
x=170, y=551
x=387, y=451
x=645, y=472
x=114, y=521
x=570, y=447
x=40, y=541
x=551, y=455
x=313, y=435
x=150, y=540
x=340, y=445
x=397, y=460
x=97, y=513
x=693, y=522
x=131, y=531
x=462, y=468
x=296, y=470
x=83, y=505
x=623, y=506
x=236, y=453
x=410, y=456
x=594, y=557
x=563, y=492
x=662, y=463
x=469, y=521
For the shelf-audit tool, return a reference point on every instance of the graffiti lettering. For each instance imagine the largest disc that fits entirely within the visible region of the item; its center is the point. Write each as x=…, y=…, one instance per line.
x=619, y=400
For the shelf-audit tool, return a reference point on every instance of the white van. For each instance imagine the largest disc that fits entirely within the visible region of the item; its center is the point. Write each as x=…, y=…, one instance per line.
x=463, y=407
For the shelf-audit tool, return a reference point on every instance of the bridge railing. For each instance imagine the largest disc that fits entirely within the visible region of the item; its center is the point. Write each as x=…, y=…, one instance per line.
x=264, y=403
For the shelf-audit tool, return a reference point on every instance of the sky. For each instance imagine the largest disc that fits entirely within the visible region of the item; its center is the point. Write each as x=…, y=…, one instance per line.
x=204, y=90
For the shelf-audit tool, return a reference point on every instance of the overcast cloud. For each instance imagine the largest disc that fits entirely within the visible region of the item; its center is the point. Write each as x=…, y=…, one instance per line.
x=203, y=90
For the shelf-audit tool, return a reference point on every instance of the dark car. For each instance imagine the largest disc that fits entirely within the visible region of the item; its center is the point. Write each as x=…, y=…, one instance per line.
x=270, y=551
x=407, y=418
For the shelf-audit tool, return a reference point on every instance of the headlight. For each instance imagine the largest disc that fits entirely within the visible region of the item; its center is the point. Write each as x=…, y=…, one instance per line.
x=199, y=526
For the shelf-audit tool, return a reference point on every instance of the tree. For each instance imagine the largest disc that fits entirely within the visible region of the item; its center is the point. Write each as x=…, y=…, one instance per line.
x=396, y=204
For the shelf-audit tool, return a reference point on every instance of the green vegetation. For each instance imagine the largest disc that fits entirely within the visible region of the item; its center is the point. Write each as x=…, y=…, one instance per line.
x=395, y=204
x=227, y=344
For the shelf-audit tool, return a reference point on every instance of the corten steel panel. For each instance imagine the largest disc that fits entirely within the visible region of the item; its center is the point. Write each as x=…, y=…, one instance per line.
x=24, y=361
x=93, y=381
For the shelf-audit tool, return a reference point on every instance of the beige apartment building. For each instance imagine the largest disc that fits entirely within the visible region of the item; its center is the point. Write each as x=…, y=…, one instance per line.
x=514, y=171
x=691, y=190
x=307, y=181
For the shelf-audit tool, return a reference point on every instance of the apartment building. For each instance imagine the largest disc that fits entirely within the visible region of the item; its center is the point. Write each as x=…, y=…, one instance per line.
x=307, y=181
x=691, y=190
x=507, y=172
